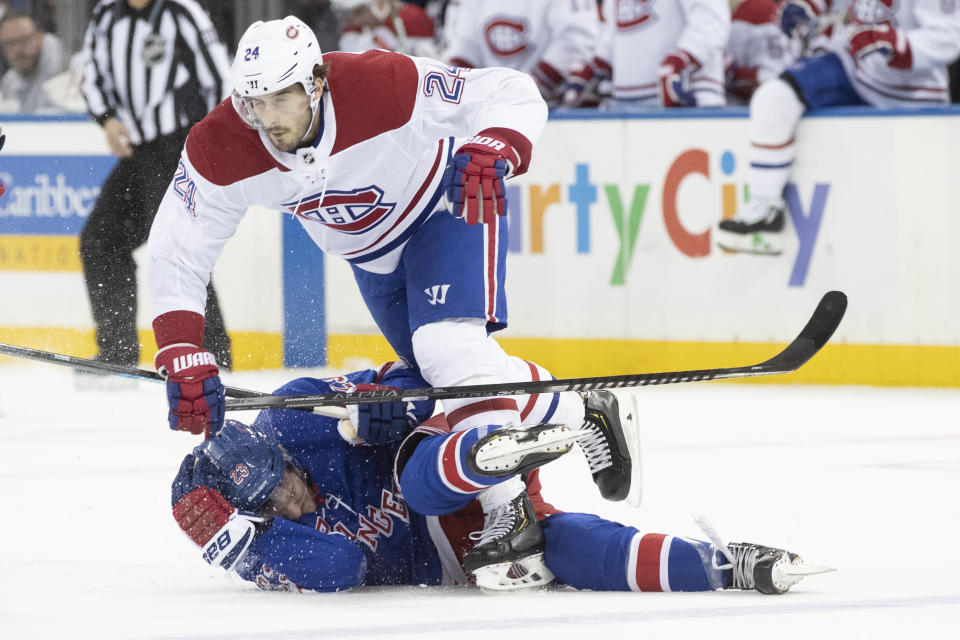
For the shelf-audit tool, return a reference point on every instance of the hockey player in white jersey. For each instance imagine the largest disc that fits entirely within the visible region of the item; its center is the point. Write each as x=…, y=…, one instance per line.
x=390, y=25
x=758, y=49
x=548, y=39
x=372, y=153
x=885, y=53
x=667, y=53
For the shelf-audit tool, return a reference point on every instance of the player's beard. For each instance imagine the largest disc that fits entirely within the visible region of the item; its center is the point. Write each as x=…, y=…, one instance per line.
x=283, y=139
x=287, y=138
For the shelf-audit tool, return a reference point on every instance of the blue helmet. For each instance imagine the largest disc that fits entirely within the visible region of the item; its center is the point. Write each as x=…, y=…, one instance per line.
x=249, y=467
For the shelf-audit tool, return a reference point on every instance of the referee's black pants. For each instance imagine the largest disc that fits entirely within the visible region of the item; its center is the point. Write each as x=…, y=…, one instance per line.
x=119, y=223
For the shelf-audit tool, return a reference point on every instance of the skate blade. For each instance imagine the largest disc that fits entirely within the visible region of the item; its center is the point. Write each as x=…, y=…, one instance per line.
x=736, y=243
x=526, y=573
x=492, y=457
x=804, y=570
x=631, y=427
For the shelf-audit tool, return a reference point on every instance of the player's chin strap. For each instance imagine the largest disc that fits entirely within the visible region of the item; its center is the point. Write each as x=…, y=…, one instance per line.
x=315, y=102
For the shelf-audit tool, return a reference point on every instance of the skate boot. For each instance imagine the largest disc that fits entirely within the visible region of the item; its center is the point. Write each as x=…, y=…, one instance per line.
x=509, y=550
x=511, y=451
x=768, y=570
x=763, y=237
x=610, y=446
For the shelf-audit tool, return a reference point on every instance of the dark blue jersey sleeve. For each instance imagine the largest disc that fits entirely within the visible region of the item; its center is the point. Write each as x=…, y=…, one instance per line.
x=291, y=427
x=293, y=553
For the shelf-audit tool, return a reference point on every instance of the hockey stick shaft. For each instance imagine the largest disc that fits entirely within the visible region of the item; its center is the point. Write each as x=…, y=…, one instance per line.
x=815, y=334
x=96, y=366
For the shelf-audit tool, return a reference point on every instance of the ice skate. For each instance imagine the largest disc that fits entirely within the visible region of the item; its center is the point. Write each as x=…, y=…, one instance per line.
x=768, y=570
x=763, y=237
x=510, y=451
x=611, y=446
x=509, y=550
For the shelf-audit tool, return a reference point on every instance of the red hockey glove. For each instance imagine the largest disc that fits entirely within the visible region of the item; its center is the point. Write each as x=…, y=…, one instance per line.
x=475, y=189
x=882, y=38
x=549, y=81
x=588, y=85
x=675, y=72
x=216, y=526
x=194, y=391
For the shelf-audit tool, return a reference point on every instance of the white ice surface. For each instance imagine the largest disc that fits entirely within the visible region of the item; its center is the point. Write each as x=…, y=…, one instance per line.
x=865, y=480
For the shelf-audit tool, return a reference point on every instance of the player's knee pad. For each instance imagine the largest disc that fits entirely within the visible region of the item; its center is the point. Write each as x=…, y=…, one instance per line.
x=775, y=110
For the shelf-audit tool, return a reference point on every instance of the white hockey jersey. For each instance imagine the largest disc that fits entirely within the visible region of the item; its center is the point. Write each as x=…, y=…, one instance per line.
x=638, y=34
x=932, y=28
x=519, y=34
x=369, y=181
x=758, y=50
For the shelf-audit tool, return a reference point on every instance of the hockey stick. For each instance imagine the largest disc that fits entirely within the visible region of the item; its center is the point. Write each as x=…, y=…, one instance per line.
x=96, y=366
x=814, y=335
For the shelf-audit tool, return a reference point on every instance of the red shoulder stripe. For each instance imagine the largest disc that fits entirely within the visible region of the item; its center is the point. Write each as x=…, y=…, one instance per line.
x=224, y=150
x=756, y=12
x=372, y=92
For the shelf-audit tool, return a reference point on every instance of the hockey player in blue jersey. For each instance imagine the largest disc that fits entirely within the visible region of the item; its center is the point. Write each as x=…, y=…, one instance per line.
x=290, y=505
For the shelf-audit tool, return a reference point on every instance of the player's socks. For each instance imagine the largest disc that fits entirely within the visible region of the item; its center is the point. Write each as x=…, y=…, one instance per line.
x=445, y=472
x=588, y=552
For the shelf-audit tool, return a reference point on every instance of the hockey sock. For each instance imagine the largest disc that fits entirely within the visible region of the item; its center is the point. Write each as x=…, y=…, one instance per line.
x=459, y=352
x=588, y=552
x=775, y=111
x=436, y=481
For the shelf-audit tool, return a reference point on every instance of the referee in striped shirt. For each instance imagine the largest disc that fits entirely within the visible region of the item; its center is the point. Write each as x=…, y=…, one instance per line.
x=153, y=69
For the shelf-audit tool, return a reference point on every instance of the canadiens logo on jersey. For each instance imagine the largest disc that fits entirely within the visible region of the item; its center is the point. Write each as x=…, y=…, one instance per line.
x=353, y=212
x=633, y=13
x=873, y=11
x=507, y=37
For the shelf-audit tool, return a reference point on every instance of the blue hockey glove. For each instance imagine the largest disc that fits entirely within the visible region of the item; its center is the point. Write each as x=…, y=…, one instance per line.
x=474, y=180
x=380, y=423
x=797, y=17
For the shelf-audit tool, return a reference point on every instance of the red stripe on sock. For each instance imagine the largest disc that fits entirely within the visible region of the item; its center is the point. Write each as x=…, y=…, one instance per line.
x=648, y=562
x=448, y=462
x=532, y=400
x=468, y=411
x=773, y=146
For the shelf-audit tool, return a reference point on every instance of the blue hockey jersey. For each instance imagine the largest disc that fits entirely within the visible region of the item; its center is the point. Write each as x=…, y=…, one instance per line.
x=362, y=531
